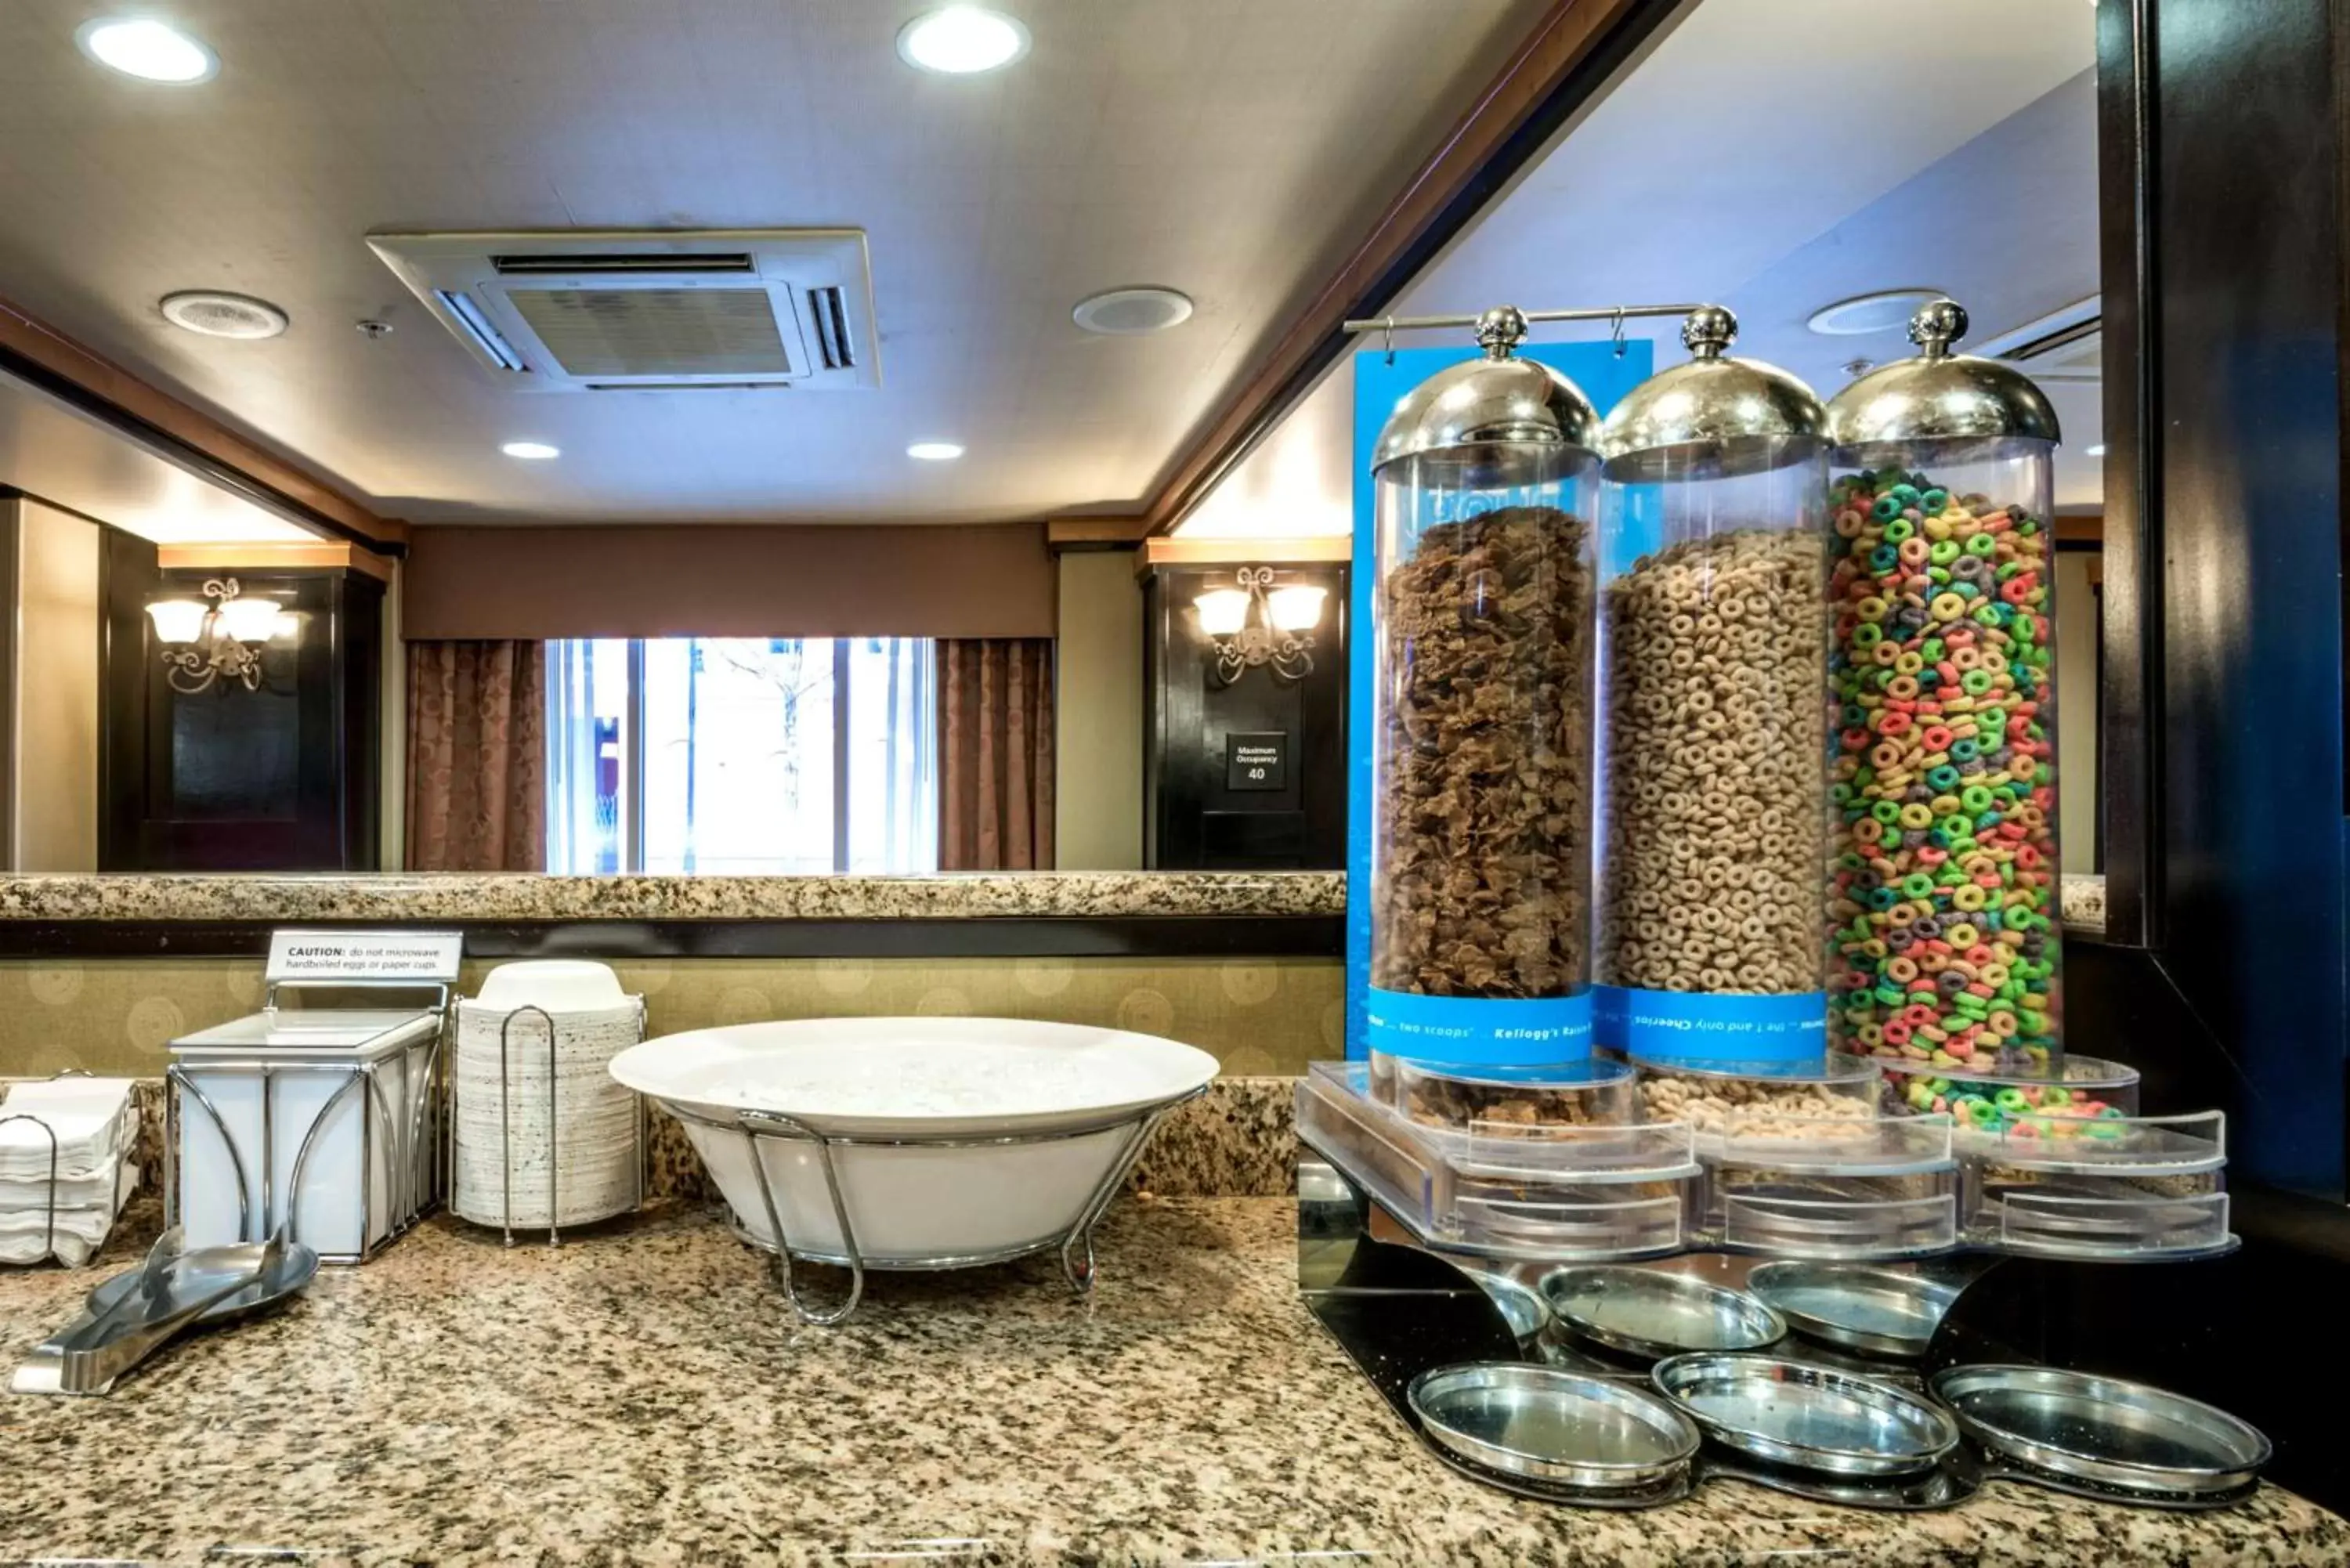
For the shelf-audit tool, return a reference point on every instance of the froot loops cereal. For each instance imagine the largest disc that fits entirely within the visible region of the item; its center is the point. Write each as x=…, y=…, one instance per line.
x=1943, y=896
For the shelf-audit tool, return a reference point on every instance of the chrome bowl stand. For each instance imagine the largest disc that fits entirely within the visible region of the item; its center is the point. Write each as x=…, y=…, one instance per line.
x=1075, y=1244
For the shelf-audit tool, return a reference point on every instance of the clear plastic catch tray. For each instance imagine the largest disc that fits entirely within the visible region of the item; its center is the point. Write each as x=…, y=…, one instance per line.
x=2151, y=1187
x=1840, y=1185
x=1835, y=1099
x=1501, y=1101
x=1984, y=1106
x=1565, y=1191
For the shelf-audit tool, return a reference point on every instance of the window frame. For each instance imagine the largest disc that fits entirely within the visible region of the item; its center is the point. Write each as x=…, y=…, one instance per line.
x=633, y=768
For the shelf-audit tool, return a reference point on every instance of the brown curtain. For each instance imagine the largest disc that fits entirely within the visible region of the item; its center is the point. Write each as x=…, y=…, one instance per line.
x=477, y=756
x=995, y=753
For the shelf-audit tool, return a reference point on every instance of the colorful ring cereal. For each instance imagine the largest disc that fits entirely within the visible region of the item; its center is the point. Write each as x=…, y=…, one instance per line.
x=1945, y=789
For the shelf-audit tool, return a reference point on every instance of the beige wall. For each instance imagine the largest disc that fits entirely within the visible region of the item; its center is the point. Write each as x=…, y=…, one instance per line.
x=2078, y=795
x=1098, y=716
x=55, y=696
x=1256, y=1016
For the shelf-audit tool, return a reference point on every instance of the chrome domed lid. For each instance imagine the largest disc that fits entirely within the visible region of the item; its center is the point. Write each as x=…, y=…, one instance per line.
x=1498, y=420
x=1938, y=395
x=1712, y=418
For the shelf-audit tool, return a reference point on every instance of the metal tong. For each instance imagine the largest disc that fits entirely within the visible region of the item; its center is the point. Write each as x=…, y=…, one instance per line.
x=175, y=1287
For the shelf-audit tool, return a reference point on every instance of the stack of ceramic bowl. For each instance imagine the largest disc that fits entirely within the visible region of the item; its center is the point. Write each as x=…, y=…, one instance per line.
x=534, y=1147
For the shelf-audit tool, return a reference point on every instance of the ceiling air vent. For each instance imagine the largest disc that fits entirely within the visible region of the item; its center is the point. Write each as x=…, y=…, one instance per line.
x=833, y=343
x=669, y=311
x=2067, y=345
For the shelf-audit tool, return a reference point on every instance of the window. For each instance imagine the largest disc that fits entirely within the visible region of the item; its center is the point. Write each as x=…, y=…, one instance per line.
x=741, y=756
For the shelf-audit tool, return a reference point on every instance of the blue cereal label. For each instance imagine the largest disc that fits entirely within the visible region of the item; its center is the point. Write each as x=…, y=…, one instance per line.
x=1712, y=1026
x=1480, y=1031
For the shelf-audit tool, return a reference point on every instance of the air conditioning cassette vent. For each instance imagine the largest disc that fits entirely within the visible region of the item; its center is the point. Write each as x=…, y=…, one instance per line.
x=589, y=265
x=833, y=344
x=2067, y=345
x=574, y=310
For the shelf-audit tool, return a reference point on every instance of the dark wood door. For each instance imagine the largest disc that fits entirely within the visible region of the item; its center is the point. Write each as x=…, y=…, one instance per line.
x=282, y=777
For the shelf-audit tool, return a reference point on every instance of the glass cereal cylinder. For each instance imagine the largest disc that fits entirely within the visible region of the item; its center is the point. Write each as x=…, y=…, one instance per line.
x=1482, y=739
x=1713, y=643
x=1944, y=897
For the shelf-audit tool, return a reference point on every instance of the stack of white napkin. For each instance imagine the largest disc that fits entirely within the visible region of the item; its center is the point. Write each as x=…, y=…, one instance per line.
x=95, y=1125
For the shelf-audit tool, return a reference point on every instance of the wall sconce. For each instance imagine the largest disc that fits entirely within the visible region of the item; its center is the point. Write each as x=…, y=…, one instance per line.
x=205, y=642
x=1257, y=623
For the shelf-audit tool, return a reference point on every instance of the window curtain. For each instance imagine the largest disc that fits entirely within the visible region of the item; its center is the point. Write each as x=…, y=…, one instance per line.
x=995, y=753
x=476, y=756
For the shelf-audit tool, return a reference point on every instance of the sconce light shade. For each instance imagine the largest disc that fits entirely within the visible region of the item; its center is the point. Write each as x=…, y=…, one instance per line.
x=1222, y=611
x=179, y=620
x=1297, y=607
x=249, y=620
x=287, y=627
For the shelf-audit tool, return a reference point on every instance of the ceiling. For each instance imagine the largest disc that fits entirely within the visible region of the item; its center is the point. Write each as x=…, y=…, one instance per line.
x=1228, y=148
x=1720, y=170
x=50, y=449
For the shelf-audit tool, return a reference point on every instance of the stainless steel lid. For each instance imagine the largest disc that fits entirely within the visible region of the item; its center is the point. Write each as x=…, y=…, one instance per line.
x=1880, y=1312
x=1560, y=1428
x=1492, y=423
x=1653, y=1313
x=1814, y=1417
x=2103, y=1430
x=1938, y=395
x=1713, y=418
x=1521, y=1307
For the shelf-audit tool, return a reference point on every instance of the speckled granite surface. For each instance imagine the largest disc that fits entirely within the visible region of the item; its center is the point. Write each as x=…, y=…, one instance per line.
x=635, y=1397
x=278, y=900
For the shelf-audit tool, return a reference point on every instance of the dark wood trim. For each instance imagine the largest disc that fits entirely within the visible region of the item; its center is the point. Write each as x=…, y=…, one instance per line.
x=1172, y=936
x=2130, y=764
x=115, y=397
x=1566, y=57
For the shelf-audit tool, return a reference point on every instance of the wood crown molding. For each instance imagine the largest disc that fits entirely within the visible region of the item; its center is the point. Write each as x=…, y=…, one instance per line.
x=105, y=388
x=1566, y=54
x=1164, y=552
x=1065, y=534
x=273, y=557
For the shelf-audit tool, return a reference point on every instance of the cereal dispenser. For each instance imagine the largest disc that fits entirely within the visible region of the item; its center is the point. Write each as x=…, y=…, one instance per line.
x=1484, y=629
x=1943, y=894
x=1713, y=632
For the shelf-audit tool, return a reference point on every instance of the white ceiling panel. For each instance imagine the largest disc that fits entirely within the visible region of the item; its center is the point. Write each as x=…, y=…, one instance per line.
x=1775, y=156
x=1227, y=148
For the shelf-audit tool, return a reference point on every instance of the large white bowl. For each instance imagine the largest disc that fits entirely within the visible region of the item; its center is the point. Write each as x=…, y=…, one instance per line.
x=1071, y=1097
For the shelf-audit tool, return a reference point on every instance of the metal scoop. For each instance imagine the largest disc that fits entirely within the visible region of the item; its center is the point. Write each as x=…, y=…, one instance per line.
x=174, y=1288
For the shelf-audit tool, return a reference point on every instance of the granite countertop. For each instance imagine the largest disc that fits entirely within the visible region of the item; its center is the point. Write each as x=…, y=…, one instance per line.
x=637, y=1396
x=407, y=897
x=411, y=897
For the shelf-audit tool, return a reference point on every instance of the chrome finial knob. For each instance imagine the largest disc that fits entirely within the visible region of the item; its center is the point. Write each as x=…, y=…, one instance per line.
x=1499, y=331
x=1708, y=331
x=1937, y=326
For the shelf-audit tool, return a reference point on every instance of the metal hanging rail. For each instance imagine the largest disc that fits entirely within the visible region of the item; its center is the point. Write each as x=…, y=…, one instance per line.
x=1592, y=312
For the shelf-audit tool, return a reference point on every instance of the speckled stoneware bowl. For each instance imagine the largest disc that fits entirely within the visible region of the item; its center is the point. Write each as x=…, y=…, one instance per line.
x=955, y=1140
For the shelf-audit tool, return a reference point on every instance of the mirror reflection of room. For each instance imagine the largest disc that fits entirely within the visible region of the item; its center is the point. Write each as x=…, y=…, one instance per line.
x=571, y=532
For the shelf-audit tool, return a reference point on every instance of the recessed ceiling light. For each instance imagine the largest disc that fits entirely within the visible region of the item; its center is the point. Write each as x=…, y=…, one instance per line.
x=143, y=47
x=2097, y=450
x=1886, y=310
x=1129, y=312
x=218, y=315
x=531, y=451
x=934, y=450
x=962, y=40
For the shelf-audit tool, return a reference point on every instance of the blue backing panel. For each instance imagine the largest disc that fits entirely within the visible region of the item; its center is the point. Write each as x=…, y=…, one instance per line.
x=1381, y=379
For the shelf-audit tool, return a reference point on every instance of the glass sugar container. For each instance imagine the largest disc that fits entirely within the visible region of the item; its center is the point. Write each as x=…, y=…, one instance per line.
x=1943, y=892
x=1713, y=821
x=1484, y=630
